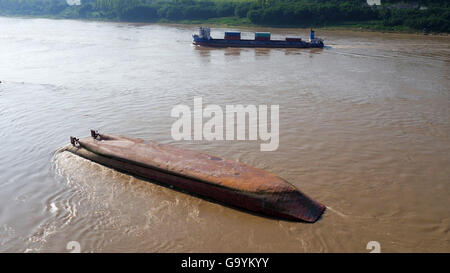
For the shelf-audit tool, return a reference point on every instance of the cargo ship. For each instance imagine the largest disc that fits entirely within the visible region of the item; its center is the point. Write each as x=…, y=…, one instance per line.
x=262, y=39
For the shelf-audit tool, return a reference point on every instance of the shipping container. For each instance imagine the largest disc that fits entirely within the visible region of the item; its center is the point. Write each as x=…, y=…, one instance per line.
x=262, y=38
x=262, y=34
x=233, y=34
x=232, y=38
x=292, y=39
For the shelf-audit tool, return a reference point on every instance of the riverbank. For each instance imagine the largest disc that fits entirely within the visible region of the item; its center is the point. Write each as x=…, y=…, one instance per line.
x=349, y=14
x=373, y=26
x=223, y=22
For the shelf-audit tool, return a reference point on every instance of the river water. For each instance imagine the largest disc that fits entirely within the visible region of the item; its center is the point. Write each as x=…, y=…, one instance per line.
x=364, y=129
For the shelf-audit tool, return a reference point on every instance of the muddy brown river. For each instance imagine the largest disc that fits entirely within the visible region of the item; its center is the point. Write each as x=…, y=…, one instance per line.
x=364, y=128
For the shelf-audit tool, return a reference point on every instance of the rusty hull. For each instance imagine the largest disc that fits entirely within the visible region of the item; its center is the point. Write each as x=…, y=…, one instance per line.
x=215, y=178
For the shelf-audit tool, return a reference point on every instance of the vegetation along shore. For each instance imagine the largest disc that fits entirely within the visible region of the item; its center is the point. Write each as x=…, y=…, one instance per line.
x=382, y=15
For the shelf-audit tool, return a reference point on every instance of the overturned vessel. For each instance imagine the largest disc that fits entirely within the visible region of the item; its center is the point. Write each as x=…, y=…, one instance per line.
x=215, y=178
x=262, y=39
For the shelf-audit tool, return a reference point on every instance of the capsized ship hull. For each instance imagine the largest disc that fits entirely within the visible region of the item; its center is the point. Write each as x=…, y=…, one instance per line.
x=225, y=181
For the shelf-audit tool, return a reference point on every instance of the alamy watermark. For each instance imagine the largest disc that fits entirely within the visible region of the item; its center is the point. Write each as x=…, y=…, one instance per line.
x=73, y=246
x=190, y=124
x=375, y=246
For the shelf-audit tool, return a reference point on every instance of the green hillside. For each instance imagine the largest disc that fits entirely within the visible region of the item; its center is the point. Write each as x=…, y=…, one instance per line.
x=432, y=15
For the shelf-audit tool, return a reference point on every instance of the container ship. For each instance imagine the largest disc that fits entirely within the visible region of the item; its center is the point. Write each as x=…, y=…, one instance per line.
x=262, y=39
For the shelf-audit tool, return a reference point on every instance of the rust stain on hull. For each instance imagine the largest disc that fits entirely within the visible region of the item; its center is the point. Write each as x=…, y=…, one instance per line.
x=216, y=178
